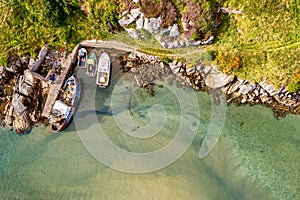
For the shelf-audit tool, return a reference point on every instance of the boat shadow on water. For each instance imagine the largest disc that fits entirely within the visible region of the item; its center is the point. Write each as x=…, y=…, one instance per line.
x=93, y=100
x=106, y=112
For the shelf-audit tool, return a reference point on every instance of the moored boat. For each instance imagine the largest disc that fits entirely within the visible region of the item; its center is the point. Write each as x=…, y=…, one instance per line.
x=91, y=65
x=65, y=105
x=82, y=57
x=103, y=70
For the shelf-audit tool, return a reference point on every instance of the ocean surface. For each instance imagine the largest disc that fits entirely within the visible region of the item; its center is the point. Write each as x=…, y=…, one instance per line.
x=256, y=157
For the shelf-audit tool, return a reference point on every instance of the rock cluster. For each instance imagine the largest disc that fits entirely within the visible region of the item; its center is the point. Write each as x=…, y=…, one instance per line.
x=24, y=91
x=240, y=91
x=23, y=102
x=169, y=37
x=144, y=71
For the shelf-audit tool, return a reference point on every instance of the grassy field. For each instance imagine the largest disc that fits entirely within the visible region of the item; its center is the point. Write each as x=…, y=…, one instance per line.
x=150, y=45
x=262, y=43
x=266, y=37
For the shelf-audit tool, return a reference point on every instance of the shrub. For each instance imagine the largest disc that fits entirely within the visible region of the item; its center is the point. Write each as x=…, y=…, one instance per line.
x=228, y=62
x=152, y=8
x=212, y=54
x=165, y=59
x=294, y=87
x=102, y=12
x=296, y=77
x=169, y=15
x=126, y=5
x=199, y=16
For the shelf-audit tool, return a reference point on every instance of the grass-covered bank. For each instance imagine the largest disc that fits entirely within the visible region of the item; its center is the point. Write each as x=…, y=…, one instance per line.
x=266, y=38
x=25, y=26
x=262, y=43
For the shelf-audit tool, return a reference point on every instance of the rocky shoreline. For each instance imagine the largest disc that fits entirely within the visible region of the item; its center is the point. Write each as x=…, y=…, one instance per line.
x=25, y=85
x=134, y=23
x=145, y=69
x=25, y=88
x=237, y=91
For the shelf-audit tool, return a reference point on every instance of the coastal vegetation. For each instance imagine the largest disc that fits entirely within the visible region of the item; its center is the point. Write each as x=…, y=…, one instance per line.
x=261, y=43
x=266, y=37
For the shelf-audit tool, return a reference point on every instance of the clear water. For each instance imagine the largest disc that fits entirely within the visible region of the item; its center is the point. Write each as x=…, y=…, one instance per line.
x=257, y=156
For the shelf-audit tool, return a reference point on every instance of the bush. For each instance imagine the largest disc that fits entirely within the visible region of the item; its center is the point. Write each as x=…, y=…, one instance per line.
x=294, y=87
x=228, y=62
x=152, y=8
x=296, y=77
x=126, y=5
x=100, y=13
x=212, y=54
x=3, y=61
x=199, y=16
x=166, y=59
x=169, y=15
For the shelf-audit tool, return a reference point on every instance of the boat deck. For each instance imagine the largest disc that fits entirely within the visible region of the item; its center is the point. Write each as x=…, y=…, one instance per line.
x=55, y=86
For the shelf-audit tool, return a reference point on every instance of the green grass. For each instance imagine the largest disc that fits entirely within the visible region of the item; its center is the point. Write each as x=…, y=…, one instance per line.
x=266, y=37
x=150, y=45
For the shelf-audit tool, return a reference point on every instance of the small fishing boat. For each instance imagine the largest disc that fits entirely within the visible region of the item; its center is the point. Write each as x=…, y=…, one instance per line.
x=65, y=105
x=91, y=65
x=103, y=71
x=82, y=57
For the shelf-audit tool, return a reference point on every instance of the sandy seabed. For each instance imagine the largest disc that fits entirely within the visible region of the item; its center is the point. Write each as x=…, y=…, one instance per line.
x=257, y=156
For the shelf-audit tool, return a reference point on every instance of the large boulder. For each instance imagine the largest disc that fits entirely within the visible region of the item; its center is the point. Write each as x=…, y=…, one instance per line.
x=234, y=87
x=23, y=87
x=22, y=123
x=28, y=77
x=245, y=89
x=18, y=105
x=129, y=18
x=135, y=13
x=2, y=71
x=209, y=40
x=154, y=25
x=217, y=80
x=146, y=24
x=174, y=32
x=139, y=23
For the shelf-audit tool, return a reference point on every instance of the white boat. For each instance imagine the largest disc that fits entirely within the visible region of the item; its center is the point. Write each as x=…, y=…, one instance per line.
x=82, y=57
x=91, y=65
x=103, y=71
x=64, y=107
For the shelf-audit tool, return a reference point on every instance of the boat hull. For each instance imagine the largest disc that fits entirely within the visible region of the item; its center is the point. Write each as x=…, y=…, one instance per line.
x=103, y=70
x=91, y=65
x=57, y=126
x=82, y=57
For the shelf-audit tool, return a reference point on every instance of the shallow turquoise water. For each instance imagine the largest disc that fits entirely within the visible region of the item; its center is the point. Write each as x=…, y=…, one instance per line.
x=257, y=156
